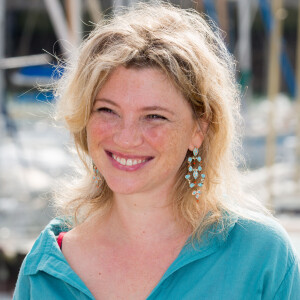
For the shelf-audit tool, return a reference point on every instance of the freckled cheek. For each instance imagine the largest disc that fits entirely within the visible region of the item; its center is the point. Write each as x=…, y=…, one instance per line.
x=169, y=144
x=98, y=131
x=164, y=138
x=156, y=136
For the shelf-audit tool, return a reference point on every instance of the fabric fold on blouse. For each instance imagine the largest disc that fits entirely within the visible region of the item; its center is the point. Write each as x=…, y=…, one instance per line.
x=247, y=260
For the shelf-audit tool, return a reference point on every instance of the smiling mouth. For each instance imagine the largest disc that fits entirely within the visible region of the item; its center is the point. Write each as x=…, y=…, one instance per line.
x=128, y=161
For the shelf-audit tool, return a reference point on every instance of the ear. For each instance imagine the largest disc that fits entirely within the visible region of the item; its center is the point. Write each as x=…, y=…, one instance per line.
x=199, y=133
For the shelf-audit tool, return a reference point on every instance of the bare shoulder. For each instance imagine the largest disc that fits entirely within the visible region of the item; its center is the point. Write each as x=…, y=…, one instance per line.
x=77, y=240
x=72, y=246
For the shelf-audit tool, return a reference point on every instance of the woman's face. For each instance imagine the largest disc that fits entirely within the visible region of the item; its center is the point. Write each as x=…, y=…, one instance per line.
x=139, y=131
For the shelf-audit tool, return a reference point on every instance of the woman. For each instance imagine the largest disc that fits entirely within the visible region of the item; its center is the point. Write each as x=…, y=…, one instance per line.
x=153, y=107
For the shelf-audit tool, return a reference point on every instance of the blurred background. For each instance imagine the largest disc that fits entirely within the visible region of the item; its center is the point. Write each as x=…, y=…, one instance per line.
x=263, y=35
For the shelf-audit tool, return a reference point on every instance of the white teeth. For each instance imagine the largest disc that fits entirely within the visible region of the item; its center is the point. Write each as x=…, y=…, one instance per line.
x=128, y=162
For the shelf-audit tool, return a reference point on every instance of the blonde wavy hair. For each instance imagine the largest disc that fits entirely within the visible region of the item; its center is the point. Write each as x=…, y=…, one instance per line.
x=189, y=49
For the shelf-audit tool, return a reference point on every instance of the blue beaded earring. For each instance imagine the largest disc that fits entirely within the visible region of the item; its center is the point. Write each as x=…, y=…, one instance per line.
x=194, y=167
x=97, y=176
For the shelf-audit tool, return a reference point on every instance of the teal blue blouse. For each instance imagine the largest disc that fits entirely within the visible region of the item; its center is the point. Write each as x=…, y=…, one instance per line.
x=247, y=261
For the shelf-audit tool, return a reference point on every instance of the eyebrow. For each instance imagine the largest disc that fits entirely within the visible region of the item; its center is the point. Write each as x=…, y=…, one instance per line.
x=146, y=108
x=107, y=101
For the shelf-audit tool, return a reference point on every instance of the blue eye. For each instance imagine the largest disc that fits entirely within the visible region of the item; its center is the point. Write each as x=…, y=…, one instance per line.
x=156, y=117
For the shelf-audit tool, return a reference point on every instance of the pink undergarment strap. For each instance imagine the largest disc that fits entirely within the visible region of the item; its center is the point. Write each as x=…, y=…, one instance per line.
x=60, y=238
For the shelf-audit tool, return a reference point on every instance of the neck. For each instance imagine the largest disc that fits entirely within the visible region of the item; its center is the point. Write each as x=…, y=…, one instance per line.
x=144, y=218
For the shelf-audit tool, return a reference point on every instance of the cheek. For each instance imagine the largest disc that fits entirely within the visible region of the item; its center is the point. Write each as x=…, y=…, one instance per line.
x=98, y=130
x=154, y=134
x=158, y=137
x=164, y=138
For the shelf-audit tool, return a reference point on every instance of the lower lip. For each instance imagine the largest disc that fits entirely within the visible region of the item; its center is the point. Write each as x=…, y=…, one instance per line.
x=126, y=168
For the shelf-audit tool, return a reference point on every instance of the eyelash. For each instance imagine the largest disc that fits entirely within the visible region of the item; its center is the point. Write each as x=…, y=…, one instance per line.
x=153, y=117
x=105, y=109
x=150, y=117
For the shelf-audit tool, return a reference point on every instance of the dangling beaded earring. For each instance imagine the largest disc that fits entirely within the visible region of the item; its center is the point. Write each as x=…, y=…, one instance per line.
x=96, y=176
x=194, y=169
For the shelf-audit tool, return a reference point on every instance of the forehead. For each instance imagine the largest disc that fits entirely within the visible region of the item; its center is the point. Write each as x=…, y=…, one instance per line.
x=140, y=86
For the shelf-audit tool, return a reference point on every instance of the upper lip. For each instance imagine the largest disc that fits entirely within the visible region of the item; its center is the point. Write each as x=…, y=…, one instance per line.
x=128, y=156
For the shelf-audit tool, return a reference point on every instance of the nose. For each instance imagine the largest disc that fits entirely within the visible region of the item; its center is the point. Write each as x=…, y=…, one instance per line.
x=128, y=135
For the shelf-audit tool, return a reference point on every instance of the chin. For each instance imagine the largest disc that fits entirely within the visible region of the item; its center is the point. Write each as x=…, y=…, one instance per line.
x=124, y=189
